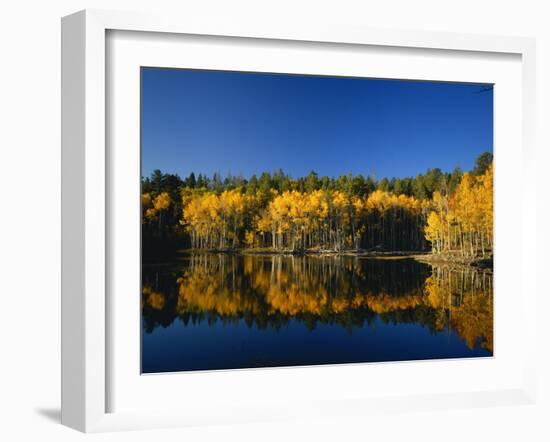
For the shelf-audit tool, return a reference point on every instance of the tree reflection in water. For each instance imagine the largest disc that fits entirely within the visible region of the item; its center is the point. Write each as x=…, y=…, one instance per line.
x=269, y=291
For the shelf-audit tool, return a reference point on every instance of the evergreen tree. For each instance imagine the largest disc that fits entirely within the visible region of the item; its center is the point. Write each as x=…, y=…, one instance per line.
x=312, y=182
x=201, y=182
x=191, y=182
x=383, y=185
x=482, y=163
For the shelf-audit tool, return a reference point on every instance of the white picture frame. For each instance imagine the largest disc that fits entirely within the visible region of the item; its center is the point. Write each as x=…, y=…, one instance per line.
x=86, y=356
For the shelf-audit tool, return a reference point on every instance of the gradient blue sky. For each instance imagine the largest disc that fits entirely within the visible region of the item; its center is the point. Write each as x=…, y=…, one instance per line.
x=248, y=123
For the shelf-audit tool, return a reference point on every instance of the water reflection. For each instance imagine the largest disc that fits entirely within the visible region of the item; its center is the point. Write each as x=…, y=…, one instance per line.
x=270, y=292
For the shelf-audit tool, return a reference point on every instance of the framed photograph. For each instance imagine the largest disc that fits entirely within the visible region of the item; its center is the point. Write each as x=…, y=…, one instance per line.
x=263, y=222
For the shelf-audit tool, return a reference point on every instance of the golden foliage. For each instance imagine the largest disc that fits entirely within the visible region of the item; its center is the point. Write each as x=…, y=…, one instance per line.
x=152, y=207
x=323, y=219
x=463, y=221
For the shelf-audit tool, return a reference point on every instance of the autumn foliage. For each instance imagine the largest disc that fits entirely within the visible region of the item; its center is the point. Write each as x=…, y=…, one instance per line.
x=336, y=220
x=447, y=213
x=294, y=220
x=463, y=221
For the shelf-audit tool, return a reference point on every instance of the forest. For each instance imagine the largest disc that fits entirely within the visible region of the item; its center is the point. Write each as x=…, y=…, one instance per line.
x=443, y=212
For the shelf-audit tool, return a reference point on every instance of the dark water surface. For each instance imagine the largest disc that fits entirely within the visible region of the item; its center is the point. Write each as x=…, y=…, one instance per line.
x=215, y=311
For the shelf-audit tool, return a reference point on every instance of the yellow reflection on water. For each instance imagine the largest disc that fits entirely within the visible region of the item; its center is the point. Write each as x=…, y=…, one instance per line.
x=328, y=288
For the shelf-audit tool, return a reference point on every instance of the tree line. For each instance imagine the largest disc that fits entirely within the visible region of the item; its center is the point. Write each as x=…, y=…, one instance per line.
x=444, y=211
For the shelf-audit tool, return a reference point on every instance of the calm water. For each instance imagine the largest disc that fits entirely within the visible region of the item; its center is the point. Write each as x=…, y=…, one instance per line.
x=214, y=311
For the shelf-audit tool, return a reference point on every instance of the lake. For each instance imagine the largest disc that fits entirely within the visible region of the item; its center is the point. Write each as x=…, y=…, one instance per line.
x=218, y=311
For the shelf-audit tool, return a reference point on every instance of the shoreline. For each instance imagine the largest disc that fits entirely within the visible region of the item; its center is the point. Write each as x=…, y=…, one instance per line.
x=307, y=252
x=481, y=263
x=421, y=256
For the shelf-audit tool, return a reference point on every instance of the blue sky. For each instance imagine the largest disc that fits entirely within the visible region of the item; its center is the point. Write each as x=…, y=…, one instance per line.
x=247, y=123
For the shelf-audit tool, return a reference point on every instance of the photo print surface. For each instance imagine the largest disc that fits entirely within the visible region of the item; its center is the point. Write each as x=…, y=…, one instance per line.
x=292, y=220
